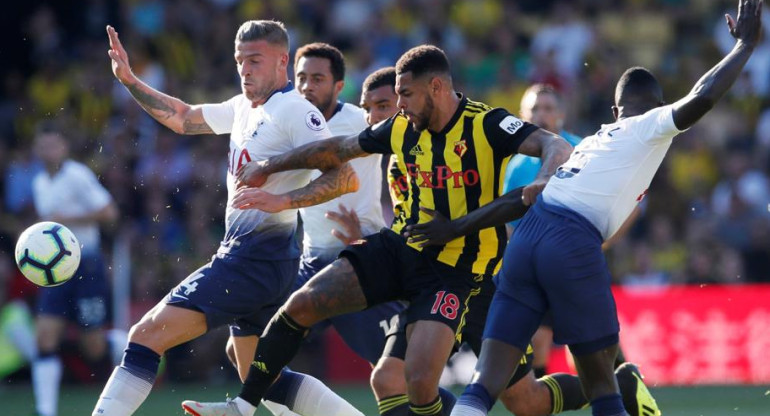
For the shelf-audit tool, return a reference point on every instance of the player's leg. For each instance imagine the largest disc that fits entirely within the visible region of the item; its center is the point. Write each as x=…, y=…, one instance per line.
x=47, y=367
x=429, y=344
x=542, y=342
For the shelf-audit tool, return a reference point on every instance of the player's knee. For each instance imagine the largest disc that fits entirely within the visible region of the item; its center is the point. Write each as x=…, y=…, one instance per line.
x=388, y=378
x=421, y=384
x=94, y=351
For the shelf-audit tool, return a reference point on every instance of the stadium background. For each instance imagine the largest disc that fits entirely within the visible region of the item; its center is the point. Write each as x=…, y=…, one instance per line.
x=683, y=271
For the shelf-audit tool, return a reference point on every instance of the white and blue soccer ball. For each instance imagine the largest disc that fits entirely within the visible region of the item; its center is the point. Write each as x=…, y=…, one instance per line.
x=47, y=253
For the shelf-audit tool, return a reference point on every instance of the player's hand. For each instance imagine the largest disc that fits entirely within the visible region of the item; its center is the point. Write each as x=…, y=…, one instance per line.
x=255, y=198
x=348, y=220
x=530, y=192
x=120, y=66
x=251, y=174
x=749, y=25
x=435, y=232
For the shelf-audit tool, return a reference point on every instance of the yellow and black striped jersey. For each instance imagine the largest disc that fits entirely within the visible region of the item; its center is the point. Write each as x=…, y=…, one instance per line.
x=453, y=171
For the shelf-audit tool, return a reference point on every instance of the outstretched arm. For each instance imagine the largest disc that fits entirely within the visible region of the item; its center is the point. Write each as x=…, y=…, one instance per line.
x=331, y=184
x=710, y=88
x=323, y=155
x=172, y=112
x=552, y=150
x=440, y=230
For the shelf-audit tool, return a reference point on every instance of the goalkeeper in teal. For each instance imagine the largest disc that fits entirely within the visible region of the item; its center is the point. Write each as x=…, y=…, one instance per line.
x=541, y=105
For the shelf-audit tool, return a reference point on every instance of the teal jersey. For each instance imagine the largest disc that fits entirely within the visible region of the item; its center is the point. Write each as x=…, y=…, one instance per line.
x=522, y=169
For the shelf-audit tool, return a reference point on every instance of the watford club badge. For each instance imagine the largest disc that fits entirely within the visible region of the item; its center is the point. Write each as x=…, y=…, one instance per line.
x=460, y=148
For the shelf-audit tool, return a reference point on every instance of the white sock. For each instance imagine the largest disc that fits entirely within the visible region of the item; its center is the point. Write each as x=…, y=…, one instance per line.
x=246, y=408
x=314, y=398
x=465, y=410
x=46, y=378
x=122, y=395
x=278, y=409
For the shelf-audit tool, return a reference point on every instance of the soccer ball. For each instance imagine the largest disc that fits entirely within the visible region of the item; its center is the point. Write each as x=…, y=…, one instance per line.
x=48, y=254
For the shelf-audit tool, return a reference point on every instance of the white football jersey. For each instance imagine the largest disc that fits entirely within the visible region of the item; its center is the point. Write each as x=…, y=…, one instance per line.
x=319, y=240
x=284, y=122
x=608, y=173
x=72, y=191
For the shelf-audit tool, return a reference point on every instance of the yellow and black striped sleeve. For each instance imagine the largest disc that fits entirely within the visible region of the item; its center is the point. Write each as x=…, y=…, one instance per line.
x=376, y=138
x=505, y=132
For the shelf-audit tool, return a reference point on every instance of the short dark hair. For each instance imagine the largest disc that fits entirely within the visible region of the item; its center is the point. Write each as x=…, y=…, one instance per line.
x=272, y=31
x=423, y=59
x=638, y=85
x=380, y=78
x=542, y=88
x=325, y=51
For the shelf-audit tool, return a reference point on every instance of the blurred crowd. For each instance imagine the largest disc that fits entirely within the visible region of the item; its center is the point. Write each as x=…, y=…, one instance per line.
x=706, y=217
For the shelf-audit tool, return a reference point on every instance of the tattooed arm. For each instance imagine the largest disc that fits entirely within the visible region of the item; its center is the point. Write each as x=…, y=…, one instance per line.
x=172, y=112
x=324, y=155
x=331, y=184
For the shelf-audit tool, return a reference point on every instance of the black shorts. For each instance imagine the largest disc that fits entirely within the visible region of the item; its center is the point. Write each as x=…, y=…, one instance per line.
x=388, y=269
x=395, y=343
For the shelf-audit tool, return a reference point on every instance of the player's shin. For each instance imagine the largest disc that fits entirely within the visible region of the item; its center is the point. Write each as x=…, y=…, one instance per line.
x=130, y=383
x=278, y=345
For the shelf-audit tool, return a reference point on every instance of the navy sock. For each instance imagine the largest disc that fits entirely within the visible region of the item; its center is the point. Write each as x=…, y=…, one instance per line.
x=609, y=405
x=284, y=390
x=448, y=400
x=141, y=361
x=476, y=396
x=277, y=346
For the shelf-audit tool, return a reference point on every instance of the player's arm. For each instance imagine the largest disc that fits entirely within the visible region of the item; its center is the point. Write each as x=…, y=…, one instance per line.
x=440, y=230
x=552, y=150
x=331, y=184
x=710, y=88
x=172, y=112
x=323, y=155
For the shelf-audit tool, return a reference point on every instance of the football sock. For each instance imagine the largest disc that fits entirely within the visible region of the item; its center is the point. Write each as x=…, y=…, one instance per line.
x=433, y=408
x=276, y=409
x=565, y=392
x=448, y=400
x=308, y=396
x=609, y=405
x=46, y=379
x=399, y=405
x=394, y=406
x=130, y=383
x=277, y=346
x=475, y=401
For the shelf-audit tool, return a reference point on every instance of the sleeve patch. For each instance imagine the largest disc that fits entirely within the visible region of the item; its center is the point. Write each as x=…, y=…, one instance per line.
x=314, y=121
x=511, y=124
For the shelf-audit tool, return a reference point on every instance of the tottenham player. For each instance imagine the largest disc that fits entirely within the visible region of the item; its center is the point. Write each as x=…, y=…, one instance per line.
x=453, y=150
x=68, y=192
x=319, y=77
x=554, y=260
x=254, y=268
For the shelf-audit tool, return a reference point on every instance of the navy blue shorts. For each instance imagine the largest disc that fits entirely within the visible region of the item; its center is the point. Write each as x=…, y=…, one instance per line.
x=237, y=291
x=365, y=331
x=84, y=299
x=555, y=262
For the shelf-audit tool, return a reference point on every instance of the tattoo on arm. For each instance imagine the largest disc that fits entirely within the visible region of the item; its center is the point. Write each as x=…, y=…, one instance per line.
x=328, y=186
x=323, y=155
x=191, y=127
x=155, y=104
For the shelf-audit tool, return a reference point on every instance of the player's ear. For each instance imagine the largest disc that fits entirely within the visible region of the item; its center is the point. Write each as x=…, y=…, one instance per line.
x=615, y=111
x=434, y=85
x=338, y=86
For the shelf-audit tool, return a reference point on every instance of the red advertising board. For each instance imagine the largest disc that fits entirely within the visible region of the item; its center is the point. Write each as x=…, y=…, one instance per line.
x=706, y=334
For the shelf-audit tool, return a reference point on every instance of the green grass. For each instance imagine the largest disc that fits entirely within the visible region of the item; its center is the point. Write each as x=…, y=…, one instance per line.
x=165, y=399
